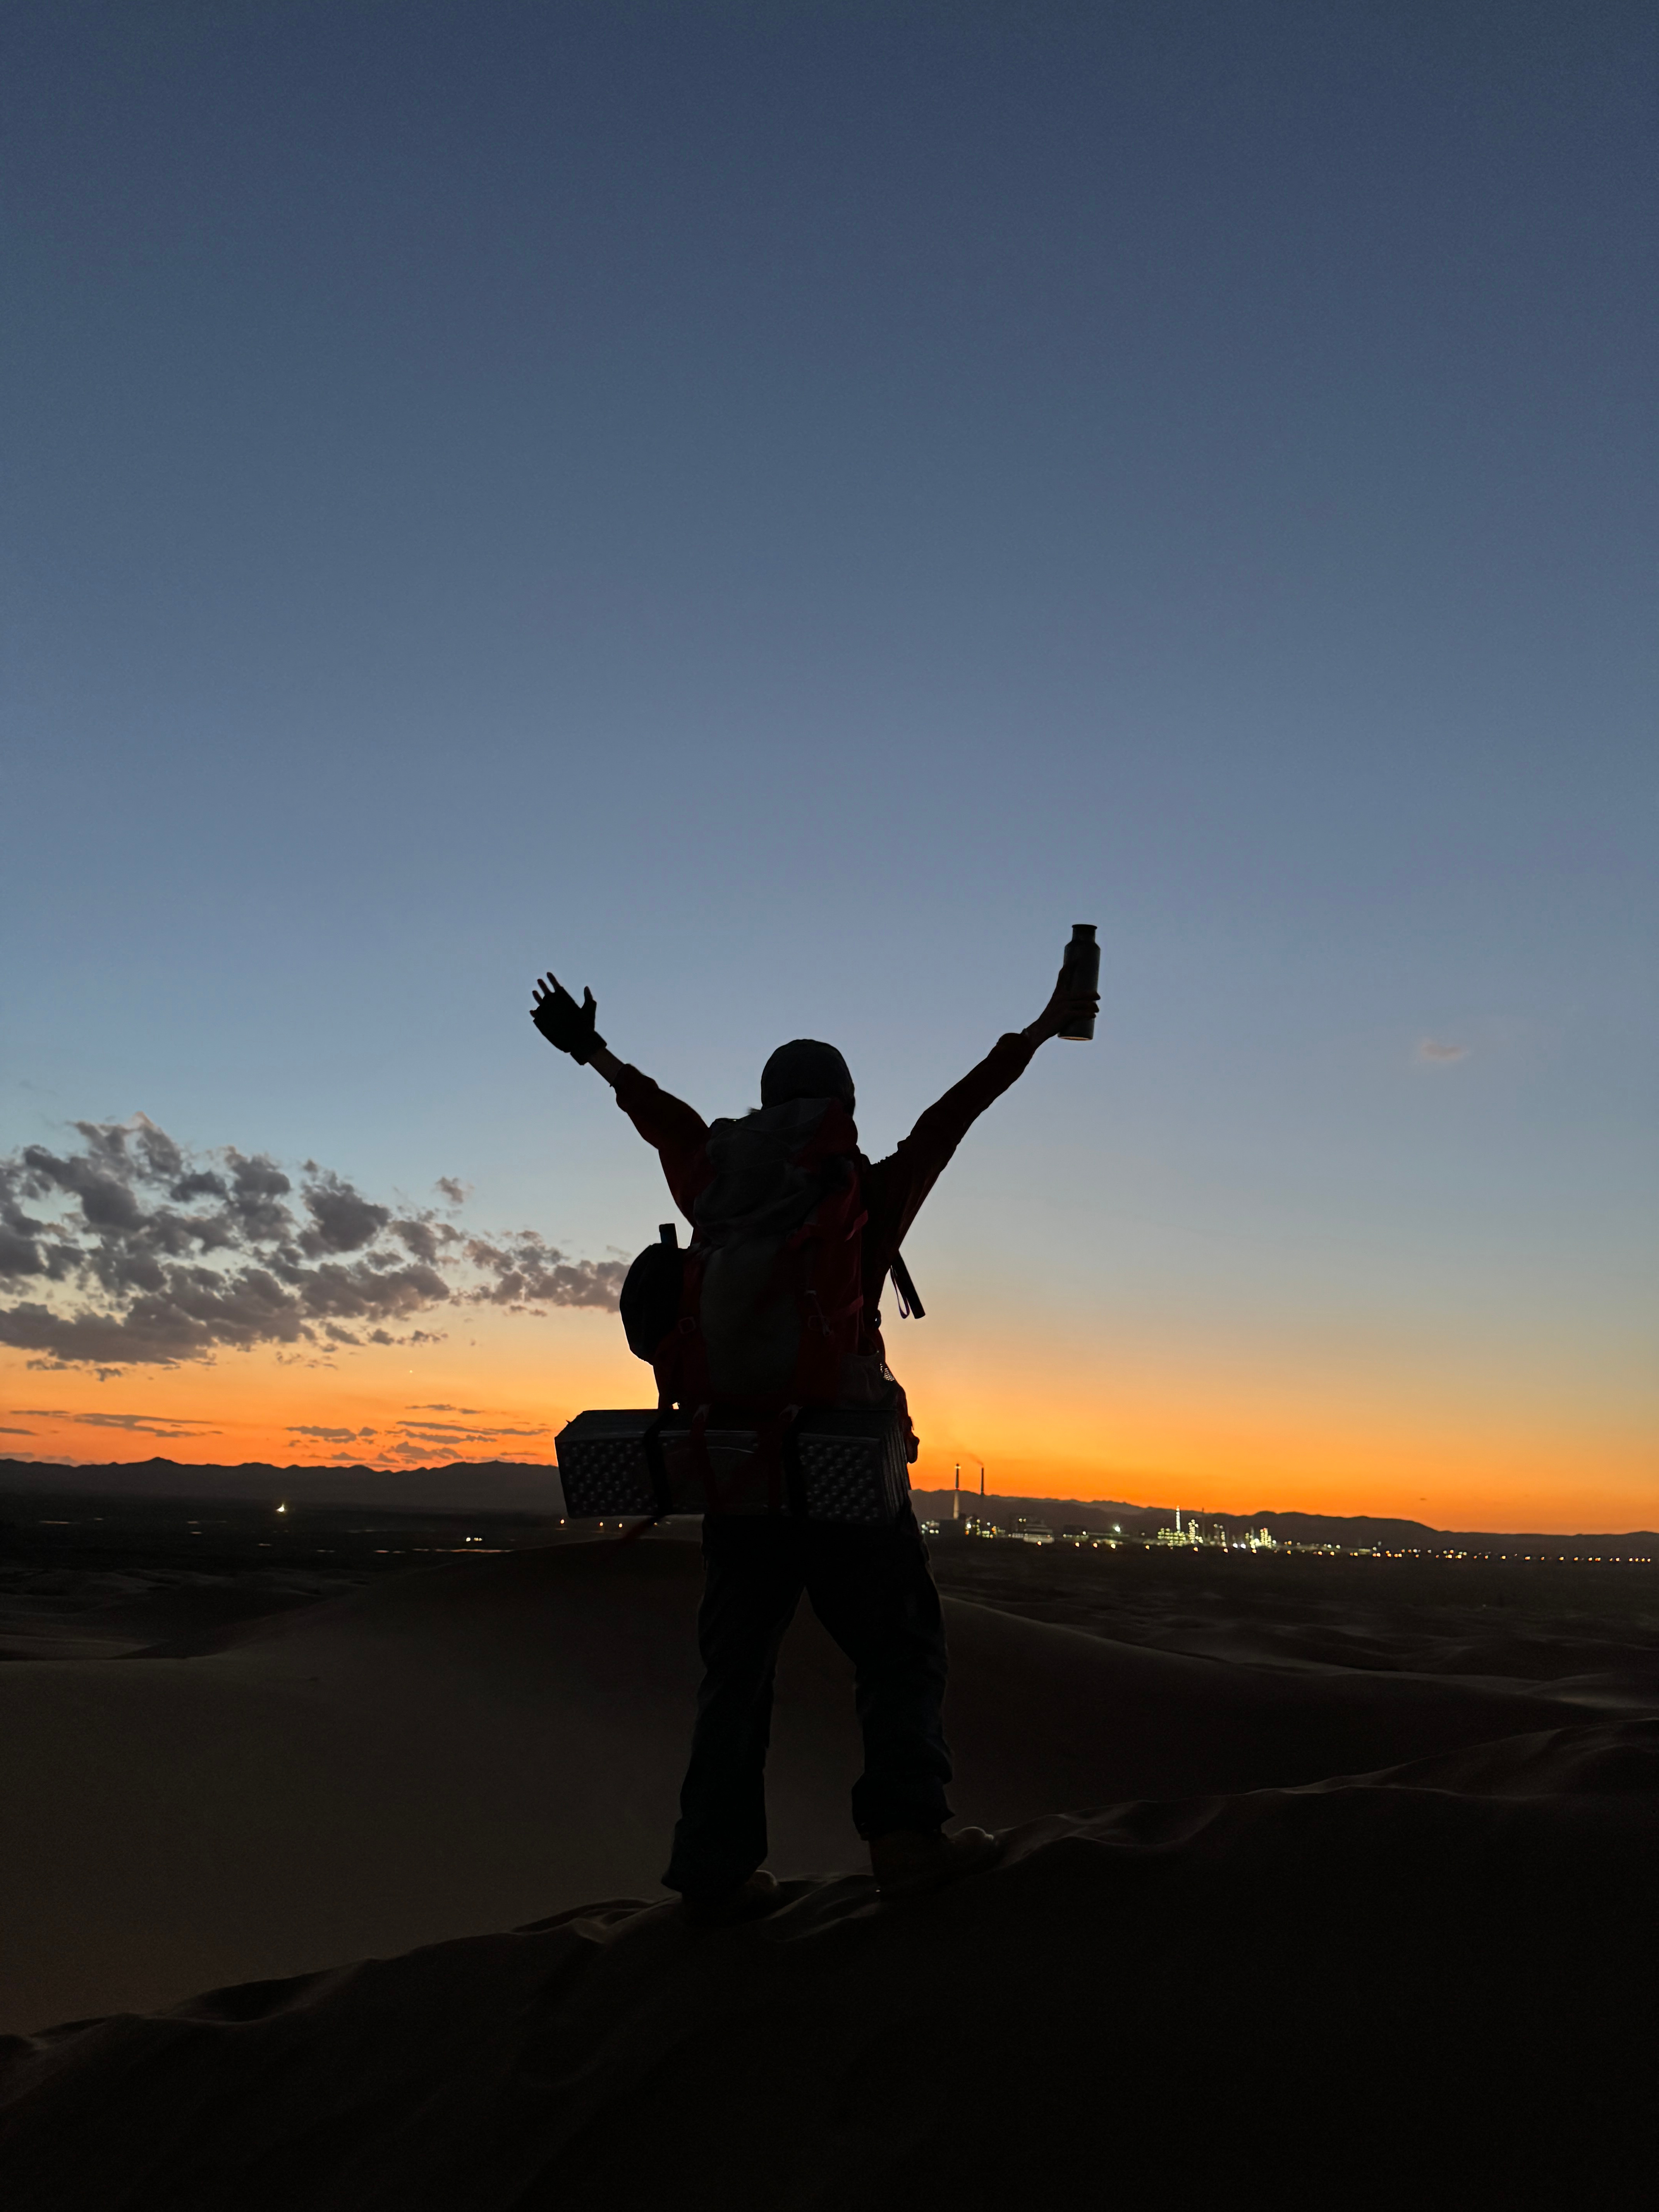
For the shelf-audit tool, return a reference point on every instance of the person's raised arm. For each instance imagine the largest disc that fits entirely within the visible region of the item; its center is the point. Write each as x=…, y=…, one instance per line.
x=944, y=1124
x=570, y=1027
x=898, y=1184
x=676, y=1129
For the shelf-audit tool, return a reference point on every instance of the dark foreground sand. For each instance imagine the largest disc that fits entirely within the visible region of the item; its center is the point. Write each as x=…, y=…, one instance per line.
x=1436, y=1981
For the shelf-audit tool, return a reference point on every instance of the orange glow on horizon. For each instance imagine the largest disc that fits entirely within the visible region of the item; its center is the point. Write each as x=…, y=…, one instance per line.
x=1170, y=1432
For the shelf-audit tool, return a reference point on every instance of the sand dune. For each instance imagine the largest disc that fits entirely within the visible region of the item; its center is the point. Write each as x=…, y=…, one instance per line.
x=1387, y=1992
x=477, y=1746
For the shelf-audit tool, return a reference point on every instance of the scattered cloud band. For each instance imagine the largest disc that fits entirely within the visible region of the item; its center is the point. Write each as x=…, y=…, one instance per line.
x=132, y=1250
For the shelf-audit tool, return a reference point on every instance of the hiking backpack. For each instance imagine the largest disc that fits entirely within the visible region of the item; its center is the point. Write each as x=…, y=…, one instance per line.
x=762, y=1311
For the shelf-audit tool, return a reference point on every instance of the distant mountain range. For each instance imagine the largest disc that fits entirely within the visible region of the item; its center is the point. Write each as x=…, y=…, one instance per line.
x=507, y=1486
x=1352, y=1531
x=488, y=1486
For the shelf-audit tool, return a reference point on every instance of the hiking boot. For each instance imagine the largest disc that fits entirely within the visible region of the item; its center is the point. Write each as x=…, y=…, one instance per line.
x=750, y=1899
x=912, y=1860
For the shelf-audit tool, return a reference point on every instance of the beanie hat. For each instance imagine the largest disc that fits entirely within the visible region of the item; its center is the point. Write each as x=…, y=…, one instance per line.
x=803, y=1068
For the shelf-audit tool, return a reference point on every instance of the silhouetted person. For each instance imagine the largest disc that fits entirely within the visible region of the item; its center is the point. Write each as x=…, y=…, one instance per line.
x=869, y=1586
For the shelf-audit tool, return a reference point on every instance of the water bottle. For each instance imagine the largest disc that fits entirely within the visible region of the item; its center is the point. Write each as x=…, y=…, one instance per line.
x=1081, y=968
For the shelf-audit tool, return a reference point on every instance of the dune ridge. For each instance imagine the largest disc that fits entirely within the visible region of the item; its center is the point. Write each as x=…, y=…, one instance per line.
x=1320, y=1934
x=1358, y=1991
x=475, y=1746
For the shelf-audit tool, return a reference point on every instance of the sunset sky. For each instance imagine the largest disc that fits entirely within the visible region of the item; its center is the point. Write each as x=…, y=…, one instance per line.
x=776, y=512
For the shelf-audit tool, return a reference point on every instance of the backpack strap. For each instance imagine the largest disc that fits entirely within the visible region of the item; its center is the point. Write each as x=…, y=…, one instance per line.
x=770, y=1445
x=910, y=1305
x=697, y=1445
x=651, y=1444
x=769, y=1452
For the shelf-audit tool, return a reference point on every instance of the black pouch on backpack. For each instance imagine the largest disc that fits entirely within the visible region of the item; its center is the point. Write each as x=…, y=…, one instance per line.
x=844, y=1463
x=650, y=1299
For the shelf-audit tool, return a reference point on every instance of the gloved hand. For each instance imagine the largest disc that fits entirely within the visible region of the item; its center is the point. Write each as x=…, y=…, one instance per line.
x=563, y=1023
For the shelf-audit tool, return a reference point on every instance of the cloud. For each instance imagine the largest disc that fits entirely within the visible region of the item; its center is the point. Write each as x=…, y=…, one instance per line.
x=147, y=1424
x=1430, y=1049
x=425, y=1238
x=528, y=1271
x=450, y=1432
x=131, y=1250
x=341, y=1219
x=421, y=1449
x=453, y=1189
x=327, y=1435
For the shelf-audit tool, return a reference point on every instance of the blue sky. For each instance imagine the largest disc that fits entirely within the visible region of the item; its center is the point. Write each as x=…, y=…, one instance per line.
x=780, y=511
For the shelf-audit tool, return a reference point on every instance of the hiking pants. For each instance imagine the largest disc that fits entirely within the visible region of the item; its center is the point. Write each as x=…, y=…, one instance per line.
x=872, y=1591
